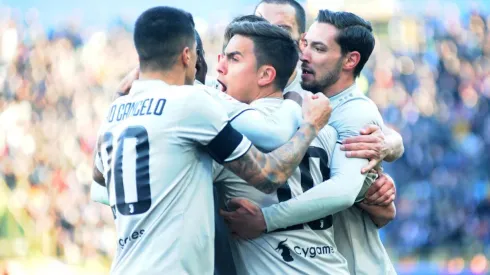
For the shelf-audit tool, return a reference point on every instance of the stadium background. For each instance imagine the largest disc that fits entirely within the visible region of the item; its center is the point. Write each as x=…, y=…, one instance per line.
x=61, y=61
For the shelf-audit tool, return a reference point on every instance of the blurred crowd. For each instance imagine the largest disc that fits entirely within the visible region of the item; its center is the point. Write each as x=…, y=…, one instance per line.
x=56, y=86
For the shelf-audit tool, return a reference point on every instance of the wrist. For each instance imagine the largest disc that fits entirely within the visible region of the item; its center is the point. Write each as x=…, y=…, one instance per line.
x=264, y=226
x=310, y=126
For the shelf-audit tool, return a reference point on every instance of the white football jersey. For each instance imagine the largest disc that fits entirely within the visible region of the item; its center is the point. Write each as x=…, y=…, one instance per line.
x=155, y=152
x=303, y=248
x=357, y=238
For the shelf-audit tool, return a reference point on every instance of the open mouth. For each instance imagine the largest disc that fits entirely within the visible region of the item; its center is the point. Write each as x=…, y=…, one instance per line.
x=222, y=87
x=307, y=71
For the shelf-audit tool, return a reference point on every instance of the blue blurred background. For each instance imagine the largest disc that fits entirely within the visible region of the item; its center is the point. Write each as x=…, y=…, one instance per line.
x=60, y=63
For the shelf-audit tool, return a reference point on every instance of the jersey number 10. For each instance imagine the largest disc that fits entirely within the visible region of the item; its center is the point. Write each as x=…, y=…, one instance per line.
x=142, y=170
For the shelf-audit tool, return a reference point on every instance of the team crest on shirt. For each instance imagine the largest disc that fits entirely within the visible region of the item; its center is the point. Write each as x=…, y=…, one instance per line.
x=285, y=251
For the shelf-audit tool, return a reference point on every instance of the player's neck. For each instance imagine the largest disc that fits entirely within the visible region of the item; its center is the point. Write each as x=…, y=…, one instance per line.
x=270, y=92
x=341, y=85
x=169, y=77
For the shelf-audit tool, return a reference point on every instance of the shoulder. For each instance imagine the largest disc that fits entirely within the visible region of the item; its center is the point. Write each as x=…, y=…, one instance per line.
x=353, y=114
x=358, y=109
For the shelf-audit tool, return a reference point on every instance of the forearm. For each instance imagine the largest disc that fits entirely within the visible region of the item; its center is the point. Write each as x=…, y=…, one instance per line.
x=269, y=133
x=98, y=193
x=334, y=195
x=267, y=172
x=394, y=144
x=380, y=215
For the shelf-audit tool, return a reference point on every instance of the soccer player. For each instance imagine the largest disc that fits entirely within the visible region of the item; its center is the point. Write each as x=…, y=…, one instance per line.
x=155, y=153
x=373, y=144
x=253, y=67
x=334, y=51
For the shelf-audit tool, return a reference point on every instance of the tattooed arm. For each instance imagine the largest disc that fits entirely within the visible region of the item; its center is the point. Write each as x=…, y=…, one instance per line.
x=267, y=172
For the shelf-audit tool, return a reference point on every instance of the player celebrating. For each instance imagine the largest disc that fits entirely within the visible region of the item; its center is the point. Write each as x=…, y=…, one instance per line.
x=334, y=52
x=254, y=55
x=374, y=144
x=155, y=152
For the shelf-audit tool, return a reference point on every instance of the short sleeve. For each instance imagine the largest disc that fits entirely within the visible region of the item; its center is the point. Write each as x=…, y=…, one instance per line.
x=207, y=124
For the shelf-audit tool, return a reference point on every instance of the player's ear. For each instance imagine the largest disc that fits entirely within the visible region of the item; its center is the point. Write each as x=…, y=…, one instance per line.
x=267, y=75
x=186, y=56
x=351, y=60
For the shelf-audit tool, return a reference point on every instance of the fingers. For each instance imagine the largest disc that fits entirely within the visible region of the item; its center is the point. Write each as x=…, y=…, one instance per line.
x=378, y=194
x=362, y=139
x=371, y=164
x=375, y=187
x=361, y=146
x=227, y=215
x=363, y=154
x=369, y=129
x=385, y=199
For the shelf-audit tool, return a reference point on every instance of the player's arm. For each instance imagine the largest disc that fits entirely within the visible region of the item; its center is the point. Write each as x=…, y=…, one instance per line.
x=266, y=172
x=269, y=132
x=265, y=132
x=98, y=190
x=380, y=215
x=329, y=197
x=341, y=191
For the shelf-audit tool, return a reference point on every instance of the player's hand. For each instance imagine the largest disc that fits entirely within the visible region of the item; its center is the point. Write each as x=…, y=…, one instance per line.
x=127, y=82
x=369, y=145
x=246, y=221
x=382, y=192
x=316, y=110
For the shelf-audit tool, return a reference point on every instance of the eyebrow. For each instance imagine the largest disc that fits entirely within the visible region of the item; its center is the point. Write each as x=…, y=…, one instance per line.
x=318, y=43
x=231, y=54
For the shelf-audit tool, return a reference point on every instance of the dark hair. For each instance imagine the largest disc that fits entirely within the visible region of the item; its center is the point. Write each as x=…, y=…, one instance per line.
x=199, y=46
x=355, y=34
x=201, y=65
x=300, y=11
x=272, y=46
x=244, y=18
x=160, y=35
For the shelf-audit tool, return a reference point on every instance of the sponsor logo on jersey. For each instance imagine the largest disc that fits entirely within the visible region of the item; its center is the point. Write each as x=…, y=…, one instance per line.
x=306, y=252
x=137, y=234
x=285, y=251
x=313, y=251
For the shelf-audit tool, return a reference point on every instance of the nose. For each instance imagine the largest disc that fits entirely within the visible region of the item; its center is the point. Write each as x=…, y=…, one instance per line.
x=222, y=66
x=305, y=55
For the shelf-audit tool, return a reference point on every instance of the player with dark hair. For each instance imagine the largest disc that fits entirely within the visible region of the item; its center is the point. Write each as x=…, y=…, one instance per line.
x=253, y=57
x=373, y=144
x=331, y=61
x=155, y=150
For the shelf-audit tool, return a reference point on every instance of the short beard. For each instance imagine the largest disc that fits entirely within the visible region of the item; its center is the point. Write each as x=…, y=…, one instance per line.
x=326, y=81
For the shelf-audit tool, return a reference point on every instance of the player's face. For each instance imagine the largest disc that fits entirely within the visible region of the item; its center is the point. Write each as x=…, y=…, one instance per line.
x=321, y=58
x=281, y=15
x=190, y=59
x=237, y=70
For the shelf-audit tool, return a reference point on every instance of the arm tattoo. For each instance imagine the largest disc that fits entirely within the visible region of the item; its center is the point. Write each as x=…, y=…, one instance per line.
x=267, y=172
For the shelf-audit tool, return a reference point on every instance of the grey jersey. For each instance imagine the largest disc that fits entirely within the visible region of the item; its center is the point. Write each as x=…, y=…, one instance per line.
x=356, y=235
x=358, y=240
x=155, y=160
x=303, y=248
